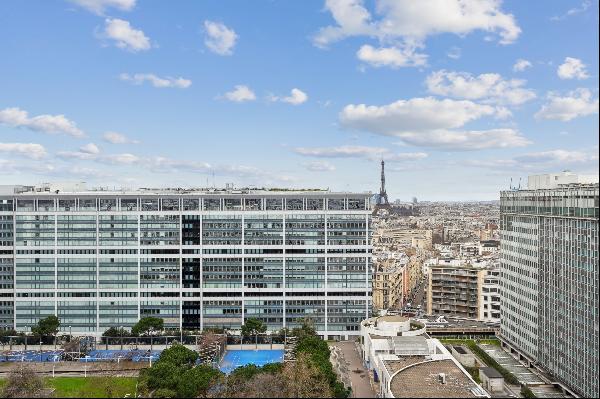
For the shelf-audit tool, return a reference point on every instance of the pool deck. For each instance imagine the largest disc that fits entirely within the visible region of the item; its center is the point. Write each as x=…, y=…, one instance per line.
x=252, y=347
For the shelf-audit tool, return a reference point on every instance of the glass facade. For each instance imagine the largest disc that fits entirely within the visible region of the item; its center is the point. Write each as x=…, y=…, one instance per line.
x=197, y=260
x=549, y=280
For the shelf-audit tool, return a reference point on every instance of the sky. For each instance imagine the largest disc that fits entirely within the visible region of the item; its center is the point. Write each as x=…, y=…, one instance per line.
x=457, y=96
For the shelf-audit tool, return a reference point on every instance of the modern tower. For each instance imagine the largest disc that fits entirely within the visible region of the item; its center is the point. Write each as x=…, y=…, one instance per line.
x=197, y=259
x=549, y=254
x=383, y=197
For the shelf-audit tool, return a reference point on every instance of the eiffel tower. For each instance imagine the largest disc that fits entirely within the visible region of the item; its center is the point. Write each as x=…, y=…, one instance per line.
x=382, y=198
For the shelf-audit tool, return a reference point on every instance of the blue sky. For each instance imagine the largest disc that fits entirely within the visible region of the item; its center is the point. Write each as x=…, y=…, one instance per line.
x=457, y=96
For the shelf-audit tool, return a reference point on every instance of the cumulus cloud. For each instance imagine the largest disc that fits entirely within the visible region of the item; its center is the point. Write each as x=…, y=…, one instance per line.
x=125, y=36
x=53, y=124
x=429, y=122
x=539, y=161
x=219, y=38
x=100, y=6
x=406, y=21
x=521, y=65
x=29, y=150
x=391, y=56
x=156, y=81
x=357, y=151
x=118, y=138
x=575, y=104
x=572, y=68
x=296, y=97
x=241, y=93
x=90, y=148
x=416, y=114
x=488, y=86
x=319, y=166
x=465, y=140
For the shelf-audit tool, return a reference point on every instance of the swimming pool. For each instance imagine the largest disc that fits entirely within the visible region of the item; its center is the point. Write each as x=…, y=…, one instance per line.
x=236, y=358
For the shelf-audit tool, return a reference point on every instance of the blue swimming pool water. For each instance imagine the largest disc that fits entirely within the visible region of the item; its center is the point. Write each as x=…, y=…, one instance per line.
x=236, y=358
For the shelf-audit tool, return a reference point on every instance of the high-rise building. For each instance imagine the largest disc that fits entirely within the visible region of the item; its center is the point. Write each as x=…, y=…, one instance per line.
x=549, y=252
x=197, y=259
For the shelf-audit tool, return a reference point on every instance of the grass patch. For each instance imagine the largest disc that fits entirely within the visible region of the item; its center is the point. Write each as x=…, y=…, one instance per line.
x=92, y=387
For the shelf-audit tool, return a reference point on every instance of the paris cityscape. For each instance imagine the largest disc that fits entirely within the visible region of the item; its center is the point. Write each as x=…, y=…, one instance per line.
x=312, y=199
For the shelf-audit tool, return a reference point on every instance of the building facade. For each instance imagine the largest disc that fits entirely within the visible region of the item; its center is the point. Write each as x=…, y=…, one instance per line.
x=197, y=259
x=456, y=290
x=549, y=252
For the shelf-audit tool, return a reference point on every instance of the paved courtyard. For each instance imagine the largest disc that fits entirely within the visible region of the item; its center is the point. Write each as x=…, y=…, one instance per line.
x=350, y=365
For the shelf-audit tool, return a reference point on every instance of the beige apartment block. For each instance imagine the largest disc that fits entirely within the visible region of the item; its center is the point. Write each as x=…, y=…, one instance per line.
x=456, y=290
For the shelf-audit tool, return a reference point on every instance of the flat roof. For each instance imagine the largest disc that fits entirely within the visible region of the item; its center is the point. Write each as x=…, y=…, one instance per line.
x=393, y=319
x=433, y=379
x=490, y=372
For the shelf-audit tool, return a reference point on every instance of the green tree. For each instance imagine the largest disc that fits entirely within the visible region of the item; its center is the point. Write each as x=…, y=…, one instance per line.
x=179, y=356
x=253, y=327
x=47, y=326
x=175, y=375
x=147, y=326
x=116, y=332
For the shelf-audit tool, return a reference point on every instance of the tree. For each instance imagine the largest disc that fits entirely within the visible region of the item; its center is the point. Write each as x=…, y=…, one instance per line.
x=116, y=332
x=147, y=326
x=47, y=326
x=23, y=382
x=175, y=374
x=254, y=327
x=303, y=379
x=179, y=356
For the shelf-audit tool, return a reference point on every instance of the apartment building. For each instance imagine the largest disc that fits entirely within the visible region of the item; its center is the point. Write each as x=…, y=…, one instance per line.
x=458, y=290
x=390, y=283
x=196, y=258
x=489, y=305
x=549, y=252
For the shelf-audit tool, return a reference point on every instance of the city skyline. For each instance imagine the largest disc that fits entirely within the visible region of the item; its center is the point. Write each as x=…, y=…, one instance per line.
x=305, y=94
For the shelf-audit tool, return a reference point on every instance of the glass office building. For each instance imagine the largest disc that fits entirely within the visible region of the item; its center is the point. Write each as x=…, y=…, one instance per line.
x=197, y=259
x=549, y=305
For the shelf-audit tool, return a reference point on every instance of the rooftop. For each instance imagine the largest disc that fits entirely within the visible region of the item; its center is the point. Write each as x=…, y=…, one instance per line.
x=490, y=372
x=433, y=379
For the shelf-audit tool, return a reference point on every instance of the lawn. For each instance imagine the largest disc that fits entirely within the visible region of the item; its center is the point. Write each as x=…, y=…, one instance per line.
x=90, y=387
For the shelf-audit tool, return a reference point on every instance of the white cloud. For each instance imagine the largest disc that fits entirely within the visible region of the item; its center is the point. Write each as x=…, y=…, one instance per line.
x=125, y=36
x=319, y=166
x=391, y=56
x=100, y=6
x=467, y=140
x=412, y=21
x=488, y=86
x=241, y=93
x=416, y=114
x=573, y=11
x=357, y=151
x=296, y=97
x=118, y=138
x=120, y=159
x=17, y=117
x=90, y=148
x=454, y=53
x=428, y=122
x=558, y=157
x=521, y=65
x=539, y=161
x=220, y=39
x=29, y=150
x=575, y=104
x=156, y=81
x=572, y=68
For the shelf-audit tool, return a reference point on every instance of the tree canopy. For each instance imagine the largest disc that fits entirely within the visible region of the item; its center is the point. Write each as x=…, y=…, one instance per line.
x=46, y=326
x=252, y=327
x=147, y=326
